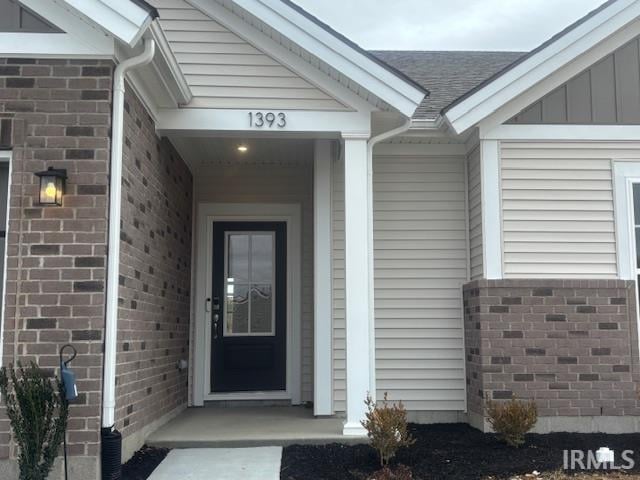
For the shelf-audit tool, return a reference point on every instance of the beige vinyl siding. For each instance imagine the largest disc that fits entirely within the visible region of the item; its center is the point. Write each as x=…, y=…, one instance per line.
x=338, y=288
x=558, y=212
x=420, y=237
x=475, y=213
x=273, y=182
x=224, y=71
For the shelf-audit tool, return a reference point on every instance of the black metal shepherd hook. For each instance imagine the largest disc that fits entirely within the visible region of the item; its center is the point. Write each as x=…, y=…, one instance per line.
x=68, y=379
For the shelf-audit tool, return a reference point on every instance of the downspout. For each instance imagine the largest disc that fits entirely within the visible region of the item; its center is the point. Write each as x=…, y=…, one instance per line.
x=373, y=141
x=113, y=261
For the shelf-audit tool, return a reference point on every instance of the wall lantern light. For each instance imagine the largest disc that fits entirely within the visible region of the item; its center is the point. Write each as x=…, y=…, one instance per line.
x=52, y=182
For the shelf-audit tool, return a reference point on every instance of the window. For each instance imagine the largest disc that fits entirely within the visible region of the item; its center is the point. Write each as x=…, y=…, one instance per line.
x=249, y=284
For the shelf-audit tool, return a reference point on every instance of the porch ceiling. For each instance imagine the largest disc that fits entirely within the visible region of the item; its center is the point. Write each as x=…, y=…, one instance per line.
x=203, y=152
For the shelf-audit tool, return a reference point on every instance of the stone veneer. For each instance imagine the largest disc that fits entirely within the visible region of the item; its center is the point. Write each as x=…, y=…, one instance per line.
x=155, y=279
x=570, y=345
x=57, y=113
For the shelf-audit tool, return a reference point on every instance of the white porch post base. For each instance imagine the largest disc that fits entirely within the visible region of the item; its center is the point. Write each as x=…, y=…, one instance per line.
x=353, y=430
x=357, y=273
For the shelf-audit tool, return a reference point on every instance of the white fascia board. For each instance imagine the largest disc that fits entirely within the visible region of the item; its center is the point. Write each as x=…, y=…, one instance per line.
x=380, y=81
x=288, y=59
x=168, y=69
x=564, y=133
x=544, y=63
x=205, y=121
x=123, y=19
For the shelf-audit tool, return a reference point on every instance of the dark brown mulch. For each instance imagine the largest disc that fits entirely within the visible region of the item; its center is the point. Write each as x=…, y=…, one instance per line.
x=454, y=451
x=143, y=463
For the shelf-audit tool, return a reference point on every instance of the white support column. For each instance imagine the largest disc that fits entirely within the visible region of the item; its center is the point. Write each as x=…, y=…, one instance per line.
x=323, y=377
x=357, y=274
x=491, y=208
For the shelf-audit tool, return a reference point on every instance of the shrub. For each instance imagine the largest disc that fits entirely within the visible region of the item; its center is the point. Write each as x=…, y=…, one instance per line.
x=38, y=414
x=512, y=419
x=386, y=427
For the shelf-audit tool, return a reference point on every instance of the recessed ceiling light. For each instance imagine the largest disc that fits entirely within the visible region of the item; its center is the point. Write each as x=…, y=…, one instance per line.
x=243, y=148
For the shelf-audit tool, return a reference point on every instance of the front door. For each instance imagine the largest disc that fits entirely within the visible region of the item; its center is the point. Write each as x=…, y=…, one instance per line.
x=249, y=317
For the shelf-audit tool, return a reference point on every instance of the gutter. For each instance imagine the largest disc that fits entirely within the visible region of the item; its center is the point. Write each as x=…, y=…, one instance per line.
x=373, y=141
x=113, y=259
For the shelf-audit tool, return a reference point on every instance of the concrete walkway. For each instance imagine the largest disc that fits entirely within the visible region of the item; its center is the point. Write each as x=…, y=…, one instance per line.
x=212, y=427
x=261, y=463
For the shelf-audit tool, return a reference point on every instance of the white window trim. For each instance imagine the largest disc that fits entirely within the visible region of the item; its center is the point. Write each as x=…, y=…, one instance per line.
x=5, y=157
x=626, y=173
x=247, y=212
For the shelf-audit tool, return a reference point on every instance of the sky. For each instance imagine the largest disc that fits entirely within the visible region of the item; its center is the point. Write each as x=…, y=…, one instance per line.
x=518, y=25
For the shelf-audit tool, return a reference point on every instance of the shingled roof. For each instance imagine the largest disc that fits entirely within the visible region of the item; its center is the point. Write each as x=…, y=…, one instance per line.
x=447, y=75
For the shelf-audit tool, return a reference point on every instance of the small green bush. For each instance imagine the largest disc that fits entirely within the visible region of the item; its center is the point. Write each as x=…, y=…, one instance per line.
x=512, y=419
x=38, y=414
x=386, y=426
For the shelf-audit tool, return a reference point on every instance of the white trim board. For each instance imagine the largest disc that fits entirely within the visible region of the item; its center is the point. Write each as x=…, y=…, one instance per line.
x=625, y=174
x=544, y=64
x=209, y=122
x=208, y=213
x=564, y=132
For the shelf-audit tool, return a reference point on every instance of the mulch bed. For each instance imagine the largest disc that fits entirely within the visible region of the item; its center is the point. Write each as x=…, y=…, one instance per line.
x=454, y=451
x=143, y=463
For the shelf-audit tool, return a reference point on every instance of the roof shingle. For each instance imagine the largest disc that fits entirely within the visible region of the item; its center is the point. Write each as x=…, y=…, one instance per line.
x=446, y=75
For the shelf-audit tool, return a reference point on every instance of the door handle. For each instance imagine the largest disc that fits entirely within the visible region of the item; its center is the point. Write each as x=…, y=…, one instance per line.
x=215, y=317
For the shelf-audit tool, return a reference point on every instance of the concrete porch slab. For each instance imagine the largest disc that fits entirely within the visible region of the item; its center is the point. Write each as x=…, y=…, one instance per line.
x=209, y=427
x=220, y=464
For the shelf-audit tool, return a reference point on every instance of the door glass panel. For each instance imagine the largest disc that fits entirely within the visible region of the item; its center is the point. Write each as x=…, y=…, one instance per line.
x=250, y=284
x=238, y=257
x=237, y=309
x=261, y=258
x=261, y=308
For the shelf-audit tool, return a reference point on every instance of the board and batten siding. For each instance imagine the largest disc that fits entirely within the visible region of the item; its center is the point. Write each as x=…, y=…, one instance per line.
x=558, y=209
x=225, y=71
x=474, y=182
x=608, y=92
x=277, y=182
x=420, y=237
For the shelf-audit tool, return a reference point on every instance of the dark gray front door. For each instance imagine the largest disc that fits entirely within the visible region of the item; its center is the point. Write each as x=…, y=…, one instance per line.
x=249, y=307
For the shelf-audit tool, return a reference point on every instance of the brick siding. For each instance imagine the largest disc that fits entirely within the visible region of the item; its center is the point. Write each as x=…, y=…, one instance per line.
x=155, y=275
x=57, y=113
x=571, y=345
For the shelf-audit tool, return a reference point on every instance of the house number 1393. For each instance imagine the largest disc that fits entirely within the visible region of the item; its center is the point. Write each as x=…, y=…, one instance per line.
x=267, y=120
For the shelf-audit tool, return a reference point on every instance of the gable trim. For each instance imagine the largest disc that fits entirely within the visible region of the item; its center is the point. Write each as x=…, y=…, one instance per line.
x=562, y=50
x=125, y=20
x=340, y=54
x=276, y=51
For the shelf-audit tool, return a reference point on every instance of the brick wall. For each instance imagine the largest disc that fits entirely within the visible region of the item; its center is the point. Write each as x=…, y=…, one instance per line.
x=155, y=277
x=57, y=113
x=571, y=345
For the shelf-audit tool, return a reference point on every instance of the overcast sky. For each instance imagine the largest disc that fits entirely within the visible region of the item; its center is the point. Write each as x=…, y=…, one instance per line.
x=449, y=24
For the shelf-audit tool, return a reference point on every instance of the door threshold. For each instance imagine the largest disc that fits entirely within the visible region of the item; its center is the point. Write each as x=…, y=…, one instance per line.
x=278, y=395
